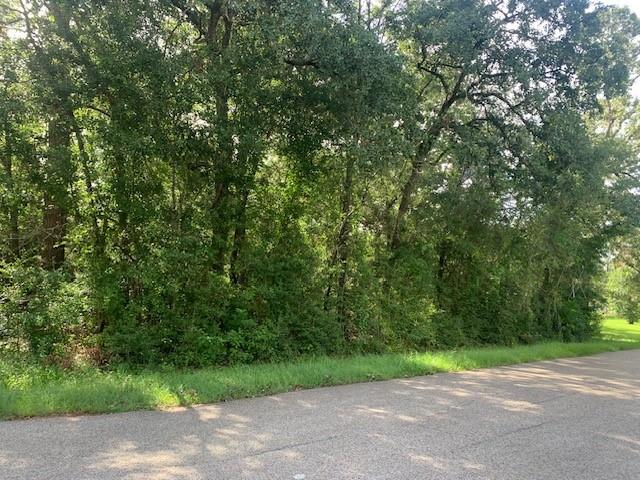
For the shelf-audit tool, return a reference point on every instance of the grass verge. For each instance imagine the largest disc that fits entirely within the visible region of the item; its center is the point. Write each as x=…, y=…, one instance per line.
x=34, y=390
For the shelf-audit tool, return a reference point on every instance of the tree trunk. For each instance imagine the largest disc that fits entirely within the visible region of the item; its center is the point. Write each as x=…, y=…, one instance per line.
x=405, y=199
x=443, y=253
x=340, y=257
x=343, y=247
x=236, y=274
x=98, y=238
x=422, y=153
x=54, y=216
x=12, y=208
x=54, y=227
x=222, y=203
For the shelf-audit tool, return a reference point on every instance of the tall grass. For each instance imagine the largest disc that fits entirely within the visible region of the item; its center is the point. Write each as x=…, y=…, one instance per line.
x=31, y=390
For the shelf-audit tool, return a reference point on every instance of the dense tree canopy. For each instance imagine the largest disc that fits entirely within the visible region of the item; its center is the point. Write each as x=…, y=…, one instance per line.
x=214, y=181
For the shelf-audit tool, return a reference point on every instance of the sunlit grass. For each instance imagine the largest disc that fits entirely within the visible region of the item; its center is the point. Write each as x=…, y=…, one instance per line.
x=619, y=329
x=30, y=390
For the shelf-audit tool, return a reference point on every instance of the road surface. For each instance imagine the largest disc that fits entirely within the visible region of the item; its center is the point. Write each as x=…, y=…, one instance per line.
x=566, y=419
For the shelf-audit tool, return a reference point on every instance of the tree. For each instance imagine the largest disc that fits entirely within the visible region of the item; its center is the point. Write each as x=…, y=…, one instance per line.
x=217, y=181
x=499, y=63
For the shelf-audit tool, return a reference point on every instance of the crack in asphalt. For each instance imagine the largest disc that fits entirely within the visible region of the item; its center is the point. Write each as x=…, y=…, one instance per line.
x=287, y=447
x=505, y=434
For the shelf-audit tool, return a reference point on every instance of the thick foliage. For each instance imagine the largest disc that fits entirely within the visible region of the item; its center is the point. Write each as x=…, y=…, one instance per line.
x=230, y=181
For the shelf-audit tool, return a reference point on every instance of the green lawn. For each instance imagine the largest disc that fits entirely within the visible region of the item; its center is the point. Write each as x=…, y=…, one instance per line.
x=620, y=330
x=34, y=390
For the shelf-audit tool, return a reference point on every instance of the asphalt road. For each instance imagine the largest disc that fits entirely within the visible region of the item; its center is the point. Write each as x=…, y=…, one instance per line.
x=567, y=419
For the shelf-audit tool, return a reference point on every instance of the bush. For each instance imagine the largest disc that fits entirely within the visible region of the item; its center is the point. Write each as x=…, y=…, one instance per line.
x=41, y=312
